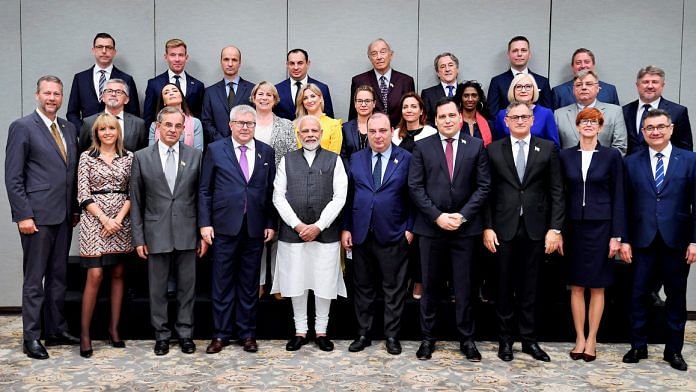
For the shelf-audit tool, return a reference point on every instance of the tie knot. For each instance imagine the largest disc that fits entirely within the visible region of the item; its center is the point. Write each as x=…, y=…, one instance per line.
x=230, y=84
x=659, y=155
x=170, y=151
x=298, y=84
x=521, y=143
x=54, y=127
x=647, y=106
x=449, y=140
x=450, y=88
x=177, y=77
x=101, y=71
x=383, y=78
x=243, y=149
x=379, y=155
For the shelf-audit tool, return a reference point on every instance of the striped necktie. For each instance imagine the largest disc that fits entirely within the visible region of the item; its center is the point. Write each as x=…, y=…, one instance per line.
x=659, y=172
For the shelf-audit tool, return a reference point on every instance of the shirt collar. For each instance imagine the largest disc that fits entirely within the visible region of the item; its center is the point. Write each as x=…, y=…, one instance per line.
x=163, y=148
x=515, y=72
x=666, y=152
x=171, y=74
x=527, y=139
x=443, y=137
x=655, y=104
x=251, y=145
x=47, y=121
x=386, y=154
x=445, y=85
x=119, y=115
x=593, y=104
x=304, y=81
x=235, y=80
x=387, y=75
x=108, y=69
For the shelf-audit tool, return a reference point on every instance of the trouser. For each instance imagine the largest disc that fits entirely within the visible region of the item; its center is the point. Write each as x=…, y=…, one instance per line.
x=184, y=264
x=322, y=306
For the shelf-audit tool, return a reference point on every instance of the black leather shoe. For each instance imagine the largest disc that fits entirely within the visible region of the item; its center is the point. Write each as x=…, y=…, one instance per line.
x=470, y=351
x=675, y=360
x=393, y=346
x=161, y=347
x=359, y=344
x=34, y=349
x=116, y=343
x=535, y=351
x=86, y=353
x=324, y=343
x=505, y=351
x=425, y=351
x=61, y=339
x=634, y=355
x=296, y=343
x=187, y=345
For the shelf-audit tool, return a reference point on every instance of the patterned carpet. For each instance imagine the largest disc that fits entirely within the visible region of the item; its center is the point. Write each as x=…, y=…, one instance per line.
x=136, y=368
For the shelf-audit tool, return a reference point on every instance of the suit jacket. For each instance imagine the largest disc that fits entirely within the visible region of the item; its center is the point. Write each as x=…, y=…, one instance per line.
x=286, y=107
x=224, y=192
x=681, y=135
x=215, y=114
x=433, y=192
x=84, y=102
x=399, y=85
x=351, y=140
x=602, y=190
x=40, y=184
x=672, y=211
x=387, y=208
x=430, y=97
x=194, y=95
x=498, y=91
x=540, y=194
x=161, y=219
x=613, y=134
x=563, y=94
x=134, y=132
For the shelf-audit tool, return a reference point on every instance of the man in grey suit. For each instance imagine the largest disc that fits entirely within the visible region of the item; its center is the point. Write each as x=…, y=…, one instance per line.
x=115, y=97
x=40, y=171
x=585, y=90
x=164, y=195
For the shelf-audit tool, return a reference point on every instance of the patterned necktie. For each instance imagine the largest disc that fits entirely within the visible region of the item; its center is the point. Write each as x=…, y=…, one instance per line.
x=230, y=96
x=646, y=108
x=450, y=91
x=659, y=172
x=243, y=163
x=520, y=161
x=102, y=82
x=449, y=156
x=59, y=141
x=177, y=83
x=383, y=91
x=170, y=169
x=377, y=171
x=299, y=87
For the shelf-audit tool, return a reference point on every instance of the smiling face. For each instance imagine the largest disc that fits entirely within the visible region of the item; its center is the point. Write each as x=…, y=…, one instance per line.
x=49, y=98
x=519, y=54
x=171, y=95
x=650, y=87
x=448, y=120
x=524, y=90
x=470, y=99
x=310, y=133
x=657, y=131
x=108, y=133
x=264, y=99
x=411, y=110
x=114, y=96
x=312, y=102
x=447, y=70
x=298, y=65
x=581, y=62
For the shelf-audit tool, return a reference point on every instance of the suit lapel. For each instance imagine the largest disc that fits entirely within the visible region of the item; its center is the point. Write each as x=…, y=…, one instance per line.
x=647, y=169
x=506, y=147
x=460, y=154
x=156, y=164
x=127, y=128
x=241, y=92
x=534, y=150
x=572, y=114
x=222, y=93
x=183, y=159
x=231, y=154
x=46, y=132
x=258, y=161
x=391, y=164
x=285, y=91
x=367, y=162
x=674, y=165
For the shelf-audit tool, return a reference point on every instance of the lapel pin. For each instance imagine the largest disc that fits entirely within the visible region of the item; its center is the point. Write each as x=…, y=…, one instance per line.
x=259, y=155
x=396, y=161
x=537, y=149
x=391, y=85
x=463, y=141
x=265, y=163
x=183, y=163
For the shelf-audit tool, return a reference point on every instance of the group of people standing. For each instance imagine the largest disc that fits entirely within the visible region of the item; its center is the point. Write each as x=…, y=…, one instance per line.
x=413, y=187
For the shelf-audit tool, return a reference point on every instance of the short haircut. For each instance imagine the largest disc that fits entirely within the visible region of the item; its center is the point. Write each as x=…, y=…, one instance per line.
x=402, y=123
x=169, y=110
x=298, y=50
x=378, y=40
x=299, y=107
x=514, y=104
x=103, y=35
x=445, y=54
x=106, y=120
x=264, y=85
x=241, y=109
x=377, y=115
x=590, y=114
x=516, y=80
x=307, y=117
x=231, y=46
x=518, y=38
x=48, y=78
x=121, y=82
x=364, y=87
x=175, y=43
x=658, y=113
x=446, y=100
x=582, y=50
x=584, y=73
x=650, y=70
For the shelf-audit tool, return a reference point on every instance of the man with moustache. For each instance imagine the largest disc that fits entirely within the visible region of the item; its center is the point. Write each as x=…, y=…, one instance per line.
x=298, y=65
x=447, y=69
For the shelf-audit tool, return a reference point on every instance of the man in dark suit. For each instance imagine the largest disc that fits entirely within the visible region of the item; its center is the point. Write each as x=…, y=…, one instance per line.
x=221, y=97
x=378, y=229
x=650, y=83
x=87, y=85
x=661, y=180
x=298, y=65
x=448, y=182
x=519, y=54
x=164, y=195
x=176, y=56
x=236, y=213
x=40, y=171
x=523, y=221
x=447, y=69
x=115, y=96
x=583, y=59
x=388, y=84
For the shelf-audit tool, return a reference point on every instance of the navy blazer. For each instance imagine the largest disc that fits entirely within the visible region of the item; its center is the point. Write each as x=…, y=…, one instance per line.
x=399, y=85
x=40, y=184
x=430, y=97
x=351, y=140
x=286, y=107
x=84, y=102
x=498, y=91
x=215, y=115
x=224, y=192
x=563, y=94
x=602, y=191
x=433, y=192
x=194, y=95
x=386, y=209
x=672, y=211
x=681, y=135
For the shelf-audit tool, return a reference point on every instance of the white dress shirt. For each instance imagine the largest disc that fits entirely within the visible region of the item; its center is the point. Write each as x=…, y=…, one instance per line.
x=293, y=87
x=666, y=152
x=182, y=80
x=387, y=75
x=455, y=146
x=654, y=104
x=250, y=153
x=163, y=148
x=515, y=147
x=47, y=121
x=97, y=74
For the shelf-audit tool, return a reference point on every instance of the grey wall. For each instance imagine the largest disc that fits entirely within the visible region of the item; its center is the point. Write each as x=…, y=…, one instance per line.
x=624, y=34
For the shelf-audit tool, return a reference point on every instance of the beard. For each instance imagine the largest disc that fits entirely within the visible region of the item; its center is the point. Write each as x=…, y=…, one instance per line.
x=311, y=146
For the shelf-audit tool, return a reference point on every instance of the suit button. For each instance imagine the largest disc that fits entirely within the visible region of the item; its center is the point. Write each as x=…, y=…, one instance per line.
x=522, y=192
x=658, y=199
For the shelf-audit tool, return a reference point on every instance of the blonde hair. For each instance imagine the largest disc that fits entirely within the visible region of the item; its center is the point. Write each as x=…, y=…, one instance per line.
x=106, y=120
x=299, y=107
x=517, y=79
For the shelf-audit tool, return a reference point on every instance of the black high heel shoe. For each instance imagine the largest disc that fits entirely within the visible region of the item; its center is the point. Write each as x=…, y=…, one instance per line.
x=116, y=343
x=86, y=353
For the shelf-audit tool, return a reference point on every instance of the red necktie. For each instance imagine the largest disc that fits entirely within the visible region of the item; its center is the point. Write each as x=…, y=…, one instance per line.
x=449, y=155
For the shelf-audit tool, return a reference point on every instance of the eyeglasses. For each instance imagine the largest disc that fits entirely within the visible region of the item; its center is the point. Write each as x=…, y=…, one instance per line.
x=523, y=117
x=168, y=125
x=104, y=47
x=112, y=91
x=244, y=124
x=520, y=87
x=660, y=128
x=588, y=121
x=383, y=52
x=361, y=102
x=586, y=84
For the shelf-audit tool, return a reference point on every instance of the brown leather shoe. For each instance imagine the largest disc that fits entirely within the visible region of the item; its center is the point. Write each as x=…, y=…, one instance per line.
x=249, y=345
x=216, y=346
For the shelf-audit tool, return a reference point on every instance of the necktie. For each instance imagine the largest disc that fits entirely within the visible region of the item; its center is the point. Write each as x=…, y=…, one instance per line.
x=59, y=141
x=170, y=169
x=178, y=83
x=520, y=161
x=383, y=91
x=449, y=156
x=377, y=172
x=450, y=91
x=659, y=172
x=230, y=96
x=646, y=108
x=102, y=82
x=299, y=87
x=243, y=163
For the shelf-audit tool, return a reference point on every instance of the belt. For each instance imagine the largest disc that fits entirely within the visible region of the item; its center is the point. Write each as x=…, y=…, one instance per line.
x=108, y=191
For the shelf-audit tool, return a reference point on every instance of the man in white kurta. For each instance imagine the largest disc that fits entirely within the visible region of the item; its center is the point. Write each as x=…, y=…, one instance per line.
x=309, y=192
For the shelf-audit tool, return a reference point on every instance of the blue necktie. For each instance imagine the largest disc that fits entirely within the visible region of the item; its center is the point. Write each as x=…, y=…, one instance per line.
x=646, y=109
x=659, y=172
x=450, y=91
x=377, y=172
